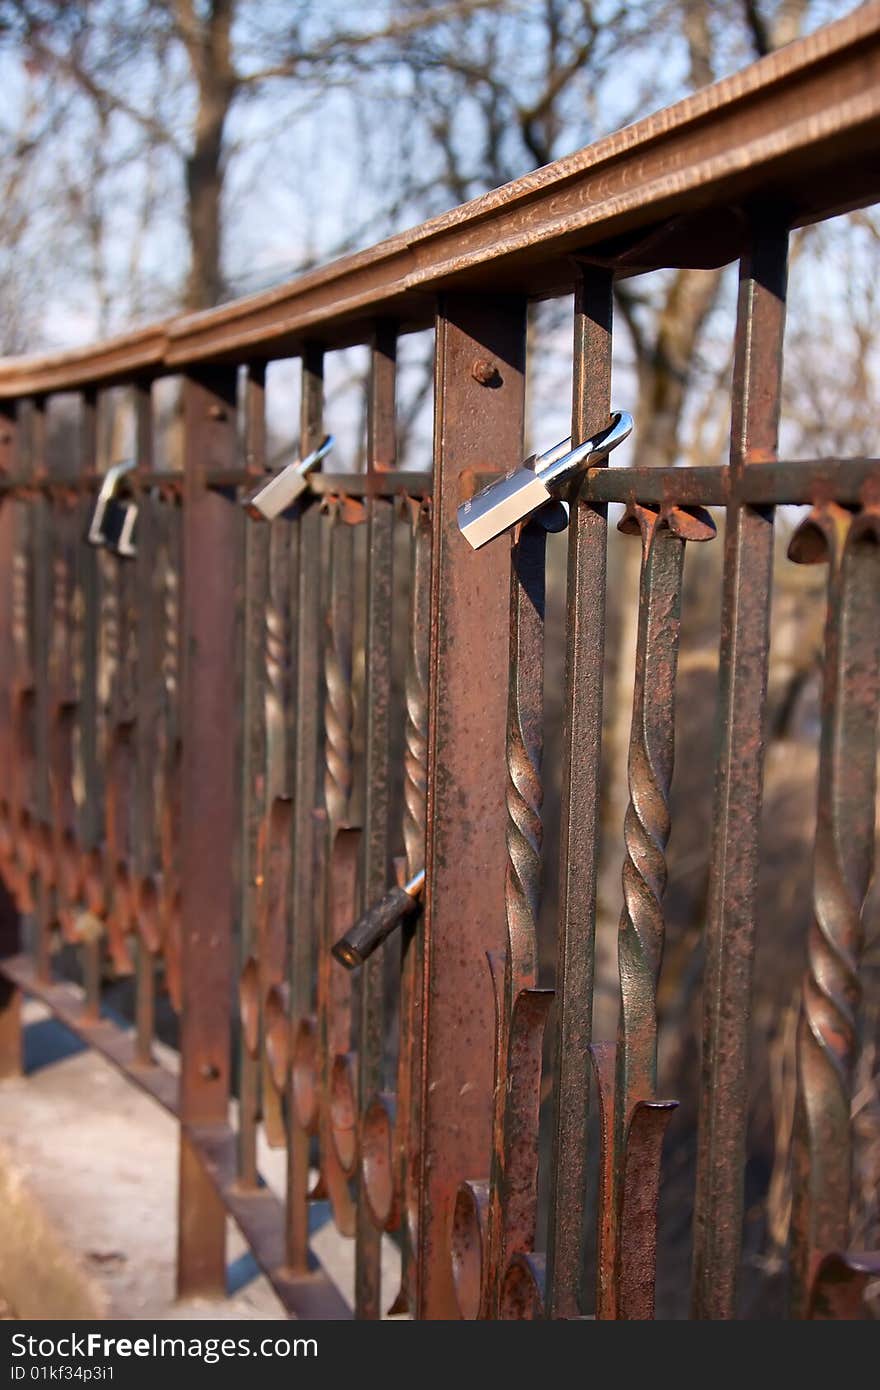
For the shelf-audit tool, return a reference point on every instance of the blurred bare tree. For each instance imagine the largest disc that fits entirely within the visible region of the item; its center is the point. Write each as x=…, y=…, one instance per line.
x=160, y=127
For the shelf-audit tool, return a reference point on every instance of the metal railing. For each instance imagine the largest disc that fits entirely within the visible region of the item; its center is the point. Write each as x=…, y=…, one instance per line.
x=199, y=786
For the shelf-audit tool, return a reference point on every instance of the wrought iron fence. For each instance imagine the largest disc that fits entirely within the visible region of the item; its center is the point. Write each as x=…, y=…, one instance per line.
x=183, y=799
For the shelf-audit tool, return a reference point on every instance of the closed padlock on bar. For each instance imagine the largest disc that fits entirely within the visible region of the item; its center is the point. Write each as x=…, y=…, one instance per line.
x=378, y=922
x=113, y=519
x=274, y=495
x=540, y=479
x=119, y=520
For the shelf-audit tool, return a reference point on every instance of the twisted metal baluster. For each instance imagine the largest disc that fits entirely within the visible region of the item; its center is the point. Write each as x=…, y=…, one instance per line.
x=415, y=757
x=122, y=653
x=78, y=685
x=128, y=653
x=108, y=663
x=637, y=1123
x=338, y=703
x=276, y=843
x=843, y=861
x=276, y=655
x=524, y=750
x=23, y=769
x=103, y=866
x=60, y=584
x=338, y=1102
x=171, y=626
x=651, y=756
x=415, y=790
x=64, y=684
x=170, y=762
x=20, y=583
x=521, y=1011
x=646, y=823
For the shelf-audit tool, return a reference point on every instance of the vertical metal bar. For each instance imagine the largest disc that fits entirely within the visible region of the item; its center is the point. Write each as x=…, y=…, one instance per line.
x=146, y=579
x=40, y=611
x=91, y=819
x=279, y=776
x=730, y=924
x=10, y=996
x=21, y=733
x=253, y=770
x=843, y=863
x=406, y=1135
x=90, y=827
x=306, y=744
x=475, y=426
x=171, y=585
x=579, y=835
x=338, y=1102
x=209, y=711
x=63, y=658
x=381, y=452
x=521, y=1010
x=117, y=616
x=8, y=535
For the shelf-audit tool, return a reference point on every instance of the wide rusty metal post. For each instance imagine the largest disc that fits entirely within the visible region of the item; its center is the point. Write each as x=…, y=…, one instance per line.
x=478, y=429
x=381, y=448
x=732, y=897
x=10, y=995
x=253, y=786
x=209, y=713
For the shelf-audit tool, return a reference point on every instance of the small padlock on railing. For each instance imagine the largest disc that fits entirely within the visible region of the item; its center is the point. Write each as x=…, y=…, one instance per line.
x=275, y=494
x=378, y=922
x=539, y=480
x=113, y=520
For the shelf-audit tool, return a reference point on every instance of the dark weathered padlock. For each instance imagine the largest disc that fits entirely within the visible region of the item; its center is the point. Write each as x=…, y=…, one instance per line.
x=274, y=495
x=113, y=520
x=118, y=528
x=540, y=479
x=378, y=922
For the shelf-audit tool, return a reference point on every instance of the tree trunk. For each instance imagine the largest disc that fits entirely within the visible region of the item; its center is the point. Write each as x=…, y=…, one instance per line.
x=209, y=48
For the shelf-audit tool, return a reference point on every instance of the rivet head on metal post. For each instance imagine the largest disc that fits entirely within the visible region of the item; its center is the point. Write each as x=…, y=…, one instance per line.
x=486, y=372
x=209, y=1071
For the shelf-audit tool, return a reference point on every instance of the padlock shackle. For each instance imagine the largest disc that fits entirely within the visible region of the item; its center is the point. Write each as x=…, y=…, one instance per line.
x=95, y=534
x=317, y=455
x=559, y=464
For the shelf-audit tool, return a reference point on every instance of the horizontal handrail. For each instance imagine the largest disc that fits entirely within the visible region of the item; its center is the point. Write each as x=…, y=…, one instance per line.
x=810, y=109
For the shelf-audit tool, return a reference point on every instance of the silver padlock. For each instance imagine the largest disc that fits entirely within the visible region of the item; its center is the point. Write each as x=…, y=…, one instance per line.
x=542, y=478
x=113, y=519
x=274, y=495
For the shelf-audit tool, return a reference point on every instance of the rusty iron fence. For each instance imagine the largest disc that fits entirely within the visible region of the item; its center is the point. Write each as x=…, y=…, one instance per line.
x=198, y=782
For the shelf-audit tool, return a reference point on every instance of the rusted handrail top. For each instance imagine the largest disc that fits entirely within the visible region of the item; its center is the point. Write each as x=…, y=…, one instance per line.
x=794, y=127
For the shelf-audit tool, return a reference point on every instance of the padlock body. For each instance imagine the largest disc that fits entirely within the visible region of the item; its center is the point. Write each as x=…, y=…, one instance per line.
x=277, y=493
x=117, y=525
x=501, y=505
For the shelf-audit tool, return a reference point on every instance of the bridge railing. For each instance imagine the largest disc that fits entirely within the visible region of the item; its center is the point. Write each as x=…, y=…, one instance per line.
x=203, y=788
